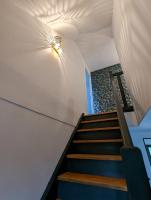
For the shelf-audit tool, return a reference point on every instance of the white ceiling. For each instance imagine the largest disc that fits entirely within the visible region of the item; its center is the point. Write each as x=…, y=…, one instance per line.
x=98, y=49
x=88, y=22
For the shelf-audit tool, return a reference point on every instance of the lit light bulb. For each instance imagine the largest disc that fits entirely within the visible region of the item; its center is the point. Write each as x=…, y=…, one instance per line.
x=56, y=45
x=59, y=51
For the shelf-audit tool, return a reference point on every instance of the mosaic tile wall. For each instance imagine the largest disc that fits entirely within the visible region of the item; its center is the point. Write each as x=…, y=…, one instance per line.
x=102, y=91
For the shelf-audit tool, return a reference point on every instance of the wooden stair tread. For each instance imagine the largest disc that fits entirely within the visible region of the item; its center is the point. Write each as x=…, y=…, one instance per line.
x=98, y=129
x=99, y=120
x=95, y=157
x=102, y=181
x=98, y=141
x=101, y=113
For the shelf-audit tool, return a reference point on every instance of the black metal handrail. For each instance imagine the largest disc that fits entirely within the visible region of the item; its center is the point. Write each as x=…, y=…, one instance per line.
x=123, y=124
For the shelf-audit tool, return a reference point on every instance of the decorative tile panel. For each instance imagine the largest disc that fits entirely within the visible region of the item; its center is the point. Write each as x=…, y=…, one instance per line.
x=103, y=99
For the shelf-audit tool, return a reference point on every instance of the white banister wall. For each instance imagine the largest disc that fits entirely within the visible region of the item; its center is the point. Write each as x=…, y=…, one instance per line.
x=32, y=76
x=132, y=33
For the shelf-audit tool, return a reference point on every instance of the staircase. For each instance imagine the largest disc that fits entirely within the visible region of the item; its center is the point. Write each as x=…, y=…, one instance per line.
x=100, y=161
x=92, y=168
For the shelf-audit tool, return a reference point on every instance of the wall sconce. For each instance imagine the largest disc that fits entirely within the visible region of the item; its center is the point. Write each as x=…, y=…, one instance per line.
x=56, y=44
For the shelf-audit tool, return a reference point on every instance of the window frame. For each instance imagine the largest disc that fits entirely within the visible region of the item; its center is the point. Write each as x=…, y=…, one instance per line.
x=147, y=147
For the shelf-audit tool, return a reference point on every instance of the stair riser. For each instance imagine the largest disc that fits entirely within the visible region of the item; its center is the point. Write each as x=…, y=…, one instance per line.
x=104, y=148
x=113, y=123
x=73, y=191
x=103, y=116
x=112, y=134
x=102, y=168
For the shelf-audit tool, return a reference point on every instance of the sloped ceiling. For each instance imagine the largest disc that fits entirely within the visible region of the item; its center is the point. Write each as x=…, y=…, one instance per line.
x=88, y=22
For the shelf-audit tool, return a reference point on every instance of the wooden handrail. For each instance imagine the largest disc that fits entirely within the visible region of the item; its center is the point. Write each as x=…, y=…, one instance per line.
x=122, y=121
x=127, y=107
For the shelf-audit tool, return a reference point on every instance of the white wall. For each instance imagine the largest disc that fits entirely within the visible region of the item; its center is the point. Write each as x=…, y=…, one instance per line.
x=132, y=31
x=32, y=76
x=30, y=146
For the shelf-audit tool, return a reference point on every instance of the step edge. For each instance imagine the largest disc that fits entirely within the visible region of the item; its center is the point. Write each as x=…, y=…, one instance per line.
x=99, y=120
x=94, y=157
x=101, y=113
x=99, y=129
x=91, y=182
x=98, y=141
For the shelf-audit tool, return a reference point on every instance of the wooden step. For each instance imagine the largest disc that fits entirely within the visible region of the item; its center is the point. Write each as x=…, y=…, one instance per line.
x=95, y=157
x=101, y=113
x=99, y=129
x=97, y=141
x=99, y=120
x=101, y=181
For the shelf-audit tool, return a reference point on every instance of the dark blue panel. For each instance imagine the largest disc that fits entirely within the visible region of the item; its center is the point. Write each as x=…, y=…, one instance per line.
x=72, y=191
x=95, y=167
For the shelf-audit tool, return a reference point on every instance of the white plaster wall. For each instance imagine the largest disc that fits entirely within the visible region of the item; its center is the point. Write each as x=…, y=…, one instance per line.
x=132, y=31
x=30, y=147
x=88, y=22
x=32, y=76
